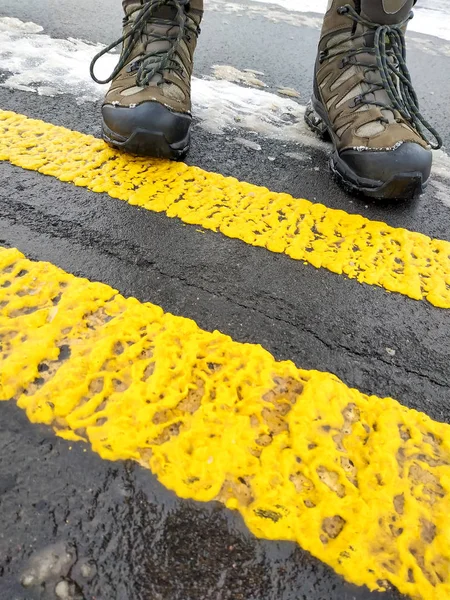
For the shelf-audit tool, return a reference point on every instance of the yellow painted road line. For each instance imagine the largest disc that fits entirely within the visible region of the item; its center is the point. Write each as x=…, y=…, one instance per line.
x=361, y=482
x=370, y=251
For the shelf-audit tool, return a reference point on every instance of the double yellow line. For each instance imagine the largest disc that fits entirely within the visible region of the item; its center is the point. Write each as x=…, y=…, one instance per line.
x=370, y=251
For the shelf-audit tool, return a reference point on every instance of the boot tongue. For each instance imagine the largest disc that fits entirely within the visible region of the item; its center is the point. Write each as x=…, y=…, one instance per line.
x=164, y=11
x=386, y=12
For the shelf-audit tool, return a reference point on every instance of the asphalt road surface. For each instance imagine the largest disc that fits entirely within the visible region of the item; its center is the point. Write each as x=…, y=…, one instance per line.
x=80, y=527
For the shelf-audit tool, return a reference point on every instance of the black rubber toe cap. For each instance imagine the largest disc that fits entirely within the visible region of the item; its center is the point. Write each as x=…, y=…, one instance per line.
x=384, y=166
x=149, y=128
x=384, y=174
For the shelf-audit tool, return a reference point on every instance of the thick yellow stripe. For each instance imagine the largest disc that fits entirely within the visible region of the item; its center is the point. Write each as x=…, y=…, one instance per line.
x=361, y=482
x=369, y=251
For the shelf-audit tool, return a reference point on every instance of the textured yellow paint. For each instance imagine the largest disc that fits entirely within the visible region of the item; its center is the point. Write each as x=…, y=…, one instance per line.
x=361, y=482
x=371, y=252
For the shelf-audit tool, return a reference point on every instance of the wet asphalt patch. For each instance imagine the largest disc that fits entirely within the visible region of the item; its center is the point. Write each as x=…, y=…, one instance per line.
x=79, y=528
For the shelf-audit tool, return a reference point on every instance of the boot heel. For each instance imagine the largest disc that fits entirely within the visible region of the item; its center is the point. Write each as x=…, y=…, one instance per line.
x=316, y=123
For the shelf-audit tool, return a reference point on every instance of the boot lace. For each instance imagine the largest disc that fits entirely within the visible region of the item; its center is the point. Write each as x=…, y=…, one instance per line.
x=153, y=62
x=389, y=49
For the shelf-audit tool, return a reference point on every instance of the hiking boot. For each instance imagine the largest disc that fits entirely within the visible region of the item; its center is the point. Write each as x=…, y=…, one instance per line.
x=364, y=100
x=147, y=109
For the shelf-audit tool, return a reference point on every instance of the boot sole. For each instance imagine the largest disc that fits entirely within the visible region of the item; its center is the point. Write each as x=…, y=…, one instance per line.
x=148, y=129
x=404, y=186
x=145, y=142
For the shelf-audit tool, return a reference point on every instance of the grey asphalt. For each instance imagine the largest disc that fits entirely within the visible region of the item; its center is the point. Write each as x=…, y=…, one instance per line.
x=139, y=540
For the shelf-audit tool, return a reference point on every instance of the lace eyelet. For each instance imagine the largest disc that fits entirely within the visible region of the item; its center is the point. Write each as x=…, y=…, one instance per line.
x=343, y=10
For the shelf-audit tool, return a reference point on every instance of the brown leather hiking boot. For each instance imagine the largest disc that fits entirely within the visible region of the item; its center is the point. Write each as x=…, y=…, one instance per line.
x=147, y=109
x=364, y=100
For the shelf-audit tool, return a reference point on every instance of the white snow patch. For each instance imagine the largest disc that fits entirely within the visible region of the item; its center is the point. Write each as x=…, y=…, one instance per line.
x=441, y=191
x=247, y=76
x=48, y=66
x=432, y=17
x=13, y=24
x=289, y=92
x=223, y=105
x=441, y=164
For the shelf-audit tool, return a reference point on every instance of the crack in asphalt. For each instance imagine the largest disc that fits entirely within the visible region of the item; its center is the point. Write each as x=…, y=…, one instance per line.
x=24, y=214
x=350, y=350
